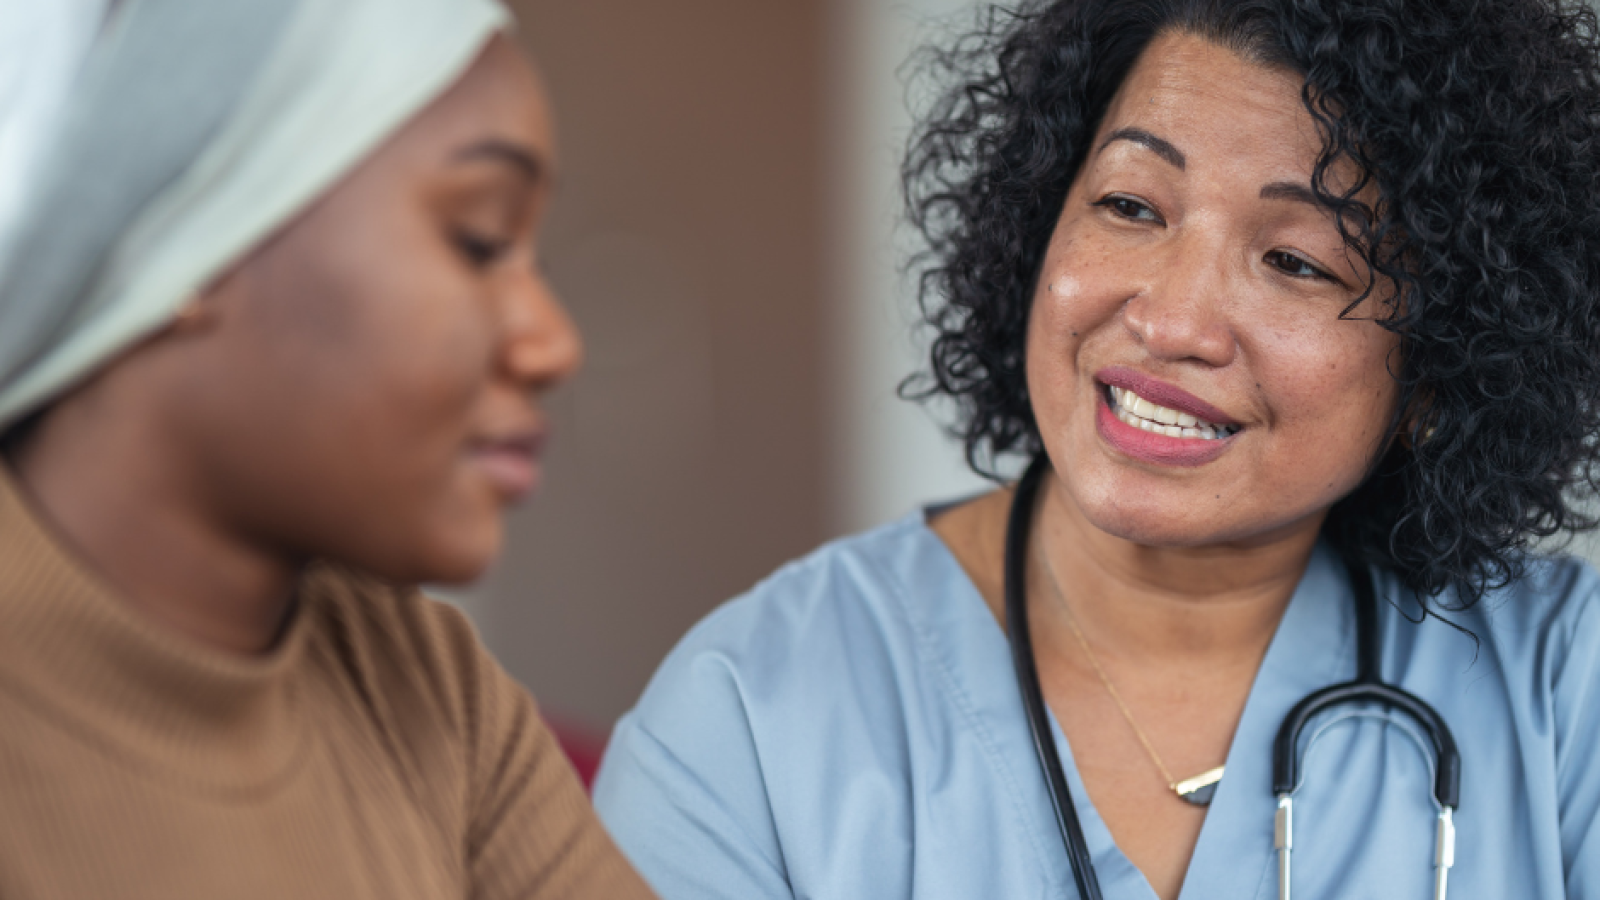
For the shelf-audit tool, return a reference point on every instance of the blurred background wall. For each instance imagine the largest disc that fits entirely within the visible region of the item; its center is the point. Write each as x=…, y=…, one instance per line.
x=724, y=235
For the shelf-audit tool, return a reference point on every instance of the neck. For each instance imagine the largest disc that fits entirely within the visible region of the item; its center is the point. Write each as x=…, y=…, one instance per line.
x=135, y=515
x=1165, y=606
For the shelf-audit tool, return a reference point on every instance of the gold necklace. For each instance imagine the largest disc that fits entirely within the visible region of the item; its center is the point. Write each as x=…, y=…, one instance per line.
x=1197, y=790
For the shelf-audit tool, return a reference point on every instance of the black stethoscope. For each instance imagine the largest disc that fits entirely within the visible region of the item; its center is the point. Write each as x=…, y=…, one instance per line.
x=1368, y=687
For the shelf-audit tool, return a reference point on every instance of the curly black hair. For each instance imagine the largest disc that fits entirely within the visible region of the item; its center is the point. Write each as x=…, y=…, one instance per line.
x=1478, y=121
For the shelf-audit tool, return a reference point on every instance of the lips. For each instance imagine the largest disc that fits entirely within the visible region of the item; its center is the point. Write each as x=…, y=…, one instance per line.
x=1163, y=394
x=510, y=462
x=1183, y=443
x=1136, y=410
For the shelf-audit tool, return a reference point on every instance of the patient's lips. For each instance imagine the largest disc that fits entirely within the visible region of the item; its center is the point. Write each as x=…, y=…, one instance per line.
x=510, y=462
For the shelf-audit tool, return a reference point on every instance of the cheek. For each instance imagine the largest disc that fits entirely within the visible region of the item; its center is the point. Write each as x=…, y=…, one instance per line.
x=411, y=335
x=430, y=352
x=1083, y=285
x=1330, y=392
x=1053, y=341
x=1074, y=308
x=377, y=365
x=355, y=439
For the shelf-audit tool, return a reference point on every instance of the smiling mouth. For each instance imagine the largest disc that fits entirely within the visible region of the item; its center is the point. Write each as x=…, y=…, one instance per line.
x=1132, y=409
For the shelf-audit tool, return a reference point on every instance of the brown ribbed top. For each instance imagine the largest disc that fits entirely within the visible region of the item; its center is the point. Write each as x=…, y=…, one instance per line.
x=378, y=752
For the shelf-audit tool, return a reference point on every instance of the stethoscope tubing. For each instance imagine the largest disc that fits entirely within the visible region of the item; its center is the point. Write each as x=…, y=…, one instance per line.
x=1018, y=526
x=1367, y=687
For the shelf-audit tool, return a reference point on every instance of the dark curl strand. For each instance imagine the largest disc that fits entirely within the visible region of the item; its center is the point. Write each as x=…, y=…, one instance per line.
x=1478, y=121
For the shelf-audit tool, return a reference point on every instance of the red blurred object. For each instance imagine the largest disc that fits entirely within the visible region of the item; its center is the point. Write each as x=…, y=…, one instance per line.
x=582, y=744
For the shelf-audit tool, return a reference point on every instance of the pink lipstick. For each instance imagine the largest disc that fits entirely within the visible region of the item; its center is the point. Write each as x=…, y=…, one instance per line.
x=1158, y=423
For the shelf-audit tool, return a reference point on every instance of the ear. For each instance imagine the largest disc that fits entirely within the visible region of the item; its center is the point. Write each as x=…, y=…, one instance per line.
x=1417, y=426
x=198, y=315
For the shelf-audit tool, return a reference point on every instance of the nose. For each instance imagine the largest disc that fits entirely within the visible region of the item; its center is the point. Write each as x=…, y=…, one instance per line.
x=542, y=346
x=1180, y=313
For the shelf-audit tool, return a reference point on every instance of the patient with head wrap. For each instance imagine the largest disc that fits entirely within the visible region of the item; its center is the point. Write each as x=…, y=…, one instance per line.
x=272, y=337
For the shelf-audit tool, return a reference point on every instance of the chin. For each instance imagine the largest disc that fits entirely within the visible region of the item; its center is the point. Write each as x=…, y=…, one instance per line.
x=451, y=556
x=1154, y=524
x=456, y=572
x=1169, y=518
x=466, y=561
x=1153, y=531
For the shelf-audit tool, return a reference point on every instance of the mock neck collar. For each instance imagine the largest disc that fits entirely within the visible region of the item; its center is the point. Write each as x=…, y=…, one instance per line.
x=88, y=659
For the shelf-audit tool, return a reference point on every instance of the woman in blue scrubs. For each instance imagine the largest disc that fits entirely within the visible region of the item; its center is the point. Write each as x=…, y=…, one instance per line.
x=1273, y=286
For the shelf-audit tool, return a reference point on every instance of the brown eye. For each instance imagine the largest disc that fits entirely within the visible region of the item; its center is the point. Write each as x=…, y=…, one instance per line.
x=1295, y=266
x=1128, y=208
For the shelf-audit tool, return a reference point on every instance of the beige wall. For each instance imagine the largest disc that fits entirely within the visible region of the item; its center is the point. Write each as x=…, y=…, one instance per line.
x=688, y=458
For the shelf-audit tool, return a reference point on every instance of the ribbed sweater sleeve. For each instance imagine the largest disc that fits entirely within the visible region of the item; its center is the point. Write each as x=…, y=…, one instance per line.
x=530, y=832
x=533, y=832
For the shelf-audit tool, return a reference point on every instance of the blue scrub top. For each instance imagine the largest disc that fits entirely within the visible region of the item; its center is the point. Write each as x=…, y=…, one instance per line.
x=851, y=730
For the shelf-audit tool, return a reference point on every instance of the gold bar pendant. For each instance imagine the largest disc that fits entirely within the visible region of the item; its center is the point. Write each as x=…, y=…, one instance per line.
x=1199, y=789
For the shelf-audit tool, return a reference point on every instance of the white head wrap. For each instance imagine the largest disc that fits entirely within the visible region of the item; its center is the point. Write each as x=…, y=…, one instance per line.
x=147, y=144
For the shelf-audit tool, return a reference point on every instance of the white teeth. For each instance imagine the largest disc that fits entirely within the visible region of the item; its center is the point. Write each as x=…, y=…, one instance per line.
x=1141, y=413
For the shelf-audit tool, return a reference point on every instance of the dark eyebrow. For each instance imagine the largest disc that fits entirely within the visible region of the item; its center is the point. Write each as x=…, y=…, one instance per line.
x=1143, y=138
x=517, y=156
x=1288, y=190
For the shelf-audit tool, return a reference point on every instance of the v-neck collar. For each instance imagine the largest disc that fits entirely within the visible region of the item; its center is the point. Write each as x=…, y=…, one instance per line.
x=1312, y=647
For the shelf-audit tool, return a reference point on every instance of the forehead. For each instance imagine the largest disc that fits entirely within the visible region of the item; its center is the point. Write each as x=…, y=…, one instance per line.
x=500, y=97
x=1206, y=98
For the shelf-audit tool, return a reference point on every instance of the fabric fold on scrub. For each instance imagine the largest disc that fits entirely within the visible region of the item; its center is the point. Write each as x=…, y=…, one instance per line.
x=190, y=131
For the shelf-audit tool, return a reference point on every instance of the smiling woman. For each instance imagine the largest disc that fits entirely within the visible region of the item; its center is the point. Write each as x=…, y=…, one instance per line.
x=1284, y=301
x=1192, y=269
x=273, y=335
